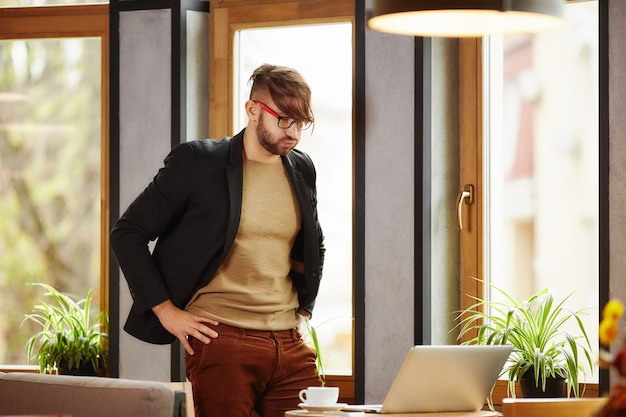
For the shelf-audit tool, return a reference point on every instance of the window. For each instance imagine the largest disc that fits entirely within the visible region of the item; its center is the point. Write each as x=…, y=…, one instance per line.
x=232, y=25
x=329, y=144
x=53, y=161
x=535, y=220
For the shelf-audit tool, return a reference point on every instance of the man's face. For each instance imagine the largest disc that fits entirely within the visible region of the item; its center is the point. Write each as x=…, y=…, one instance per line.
x=274, y=139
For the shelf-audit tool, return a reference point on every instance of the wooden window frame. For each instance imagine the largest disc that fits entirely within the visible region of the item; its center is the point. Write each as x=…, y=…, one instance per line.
x=75, y=21
x=229, y=16
x=471, y=171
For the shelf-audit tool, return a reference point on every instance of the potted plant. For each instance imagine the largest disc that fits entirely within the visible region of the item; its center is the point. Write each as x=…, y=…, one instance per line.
x=543, y=348
x=70, y=341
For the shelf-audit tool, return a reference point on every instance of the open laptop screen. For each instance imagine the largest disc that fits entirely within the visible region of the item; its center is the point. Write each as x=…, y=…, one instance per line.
x=443, y=378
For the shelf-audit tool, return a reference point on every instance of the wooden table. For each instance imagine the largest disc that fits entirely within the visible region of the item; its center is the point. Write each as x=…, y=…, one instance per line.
x=300, y=413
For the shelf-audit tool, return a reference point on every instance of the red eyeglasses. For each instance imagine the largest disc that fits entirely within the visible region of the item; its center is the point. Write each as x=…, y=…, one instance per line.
x=285, y=122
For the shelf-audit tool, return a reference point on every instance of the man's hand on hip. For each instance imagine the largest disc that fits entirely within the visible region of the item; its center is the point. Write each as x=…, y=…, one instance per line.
x=181, y=324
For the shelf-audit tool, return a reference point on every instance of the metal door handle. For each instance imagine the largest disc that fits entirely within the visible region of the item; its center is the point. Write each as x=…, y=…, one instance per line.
x=466, y=194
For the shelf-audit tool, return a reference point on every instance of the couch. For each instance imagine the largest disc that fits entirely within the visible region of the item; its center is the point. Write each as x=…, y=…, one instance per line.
x=31, y=393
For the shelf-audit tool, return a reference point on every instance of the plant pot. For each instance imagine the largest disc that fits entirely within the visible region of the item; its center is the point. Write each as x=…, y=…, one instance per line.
x=86, y=369
x=555, y=386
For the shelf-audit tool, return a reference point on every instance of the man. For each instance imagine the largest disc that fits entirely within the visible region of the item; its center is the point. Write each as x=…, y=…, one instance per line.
x=239, y=255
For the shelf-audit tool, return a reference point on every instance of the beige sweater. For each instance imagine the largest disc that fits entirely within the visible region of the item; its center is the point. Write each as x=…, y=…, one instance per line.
x=252, y=288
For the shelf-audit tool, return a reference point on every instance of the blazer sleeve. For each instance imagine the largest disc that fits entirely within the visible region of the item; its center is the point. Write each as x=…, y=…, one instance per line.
x=147, y=217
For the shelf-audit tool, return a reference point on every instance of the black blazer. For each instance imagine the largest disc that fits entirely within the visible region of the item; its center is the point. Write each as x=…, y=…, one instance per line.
x=193, y=207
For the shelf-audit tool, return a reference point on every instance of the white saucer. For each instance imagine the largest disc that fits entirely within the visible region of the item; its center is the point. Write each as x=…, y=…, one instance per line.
x=332, y=407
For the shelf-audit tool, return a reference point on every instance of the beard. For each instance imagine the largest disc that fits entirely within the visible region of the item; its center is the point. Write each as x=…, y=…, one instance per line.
x=276, y=146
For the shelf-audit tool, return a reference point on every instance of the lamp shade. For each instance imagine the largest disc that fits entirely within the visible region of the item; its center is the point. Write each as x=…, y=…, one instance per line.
x=464, y=18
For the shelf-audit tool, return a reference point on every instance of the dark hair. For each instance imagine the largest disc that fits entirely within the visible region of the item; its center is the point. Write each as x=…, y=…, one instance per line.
x=287, y=88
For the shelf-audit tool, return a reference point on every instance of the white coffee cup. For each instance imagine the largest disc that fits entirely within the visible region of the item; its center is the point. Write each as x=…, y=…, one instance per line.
x=319, y=396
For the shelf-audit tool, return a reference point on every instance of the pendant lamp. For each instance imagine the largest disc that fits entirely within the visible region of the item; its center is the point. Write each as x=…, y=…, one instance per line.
x=464, y=18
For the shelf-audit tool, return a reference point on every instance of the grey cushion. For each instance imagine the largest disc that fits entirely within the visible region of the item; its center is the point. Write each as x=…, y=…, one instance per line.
x=24, y=393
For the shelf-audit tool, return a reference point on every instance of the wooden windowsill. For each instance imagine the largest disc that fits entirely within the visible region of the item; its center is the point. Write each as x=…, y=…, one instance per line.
x=33, y=369
x=345, y=384
x=501, y=390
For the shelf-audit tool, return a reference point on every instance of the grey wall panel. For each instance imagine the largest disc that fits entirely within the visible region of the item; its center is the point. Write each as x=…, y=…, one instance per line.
x=145, y=118
x=197, y=63
x=389, y=209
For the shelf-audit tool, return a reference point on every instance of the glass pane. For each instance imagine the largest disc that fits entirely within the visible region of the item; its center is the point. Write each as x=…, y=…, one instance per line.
x=543, y=163
x=50, y=139
x=323, y=54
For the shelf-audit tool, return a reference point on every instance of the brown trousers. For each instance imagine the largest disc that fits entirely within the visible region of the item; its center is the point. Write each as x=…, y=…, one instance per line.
x=244, y=373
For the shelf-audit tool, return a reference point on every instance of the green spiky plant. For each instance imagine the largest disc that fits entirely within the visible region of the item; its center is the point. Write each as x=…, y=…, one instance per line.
x=535, y=328
x=312, y=335
x=69, y=334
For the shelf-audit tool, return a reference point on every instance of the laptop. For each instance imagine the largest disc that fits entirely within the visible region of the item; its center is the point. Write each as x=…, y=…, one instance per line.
x=443, y=378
